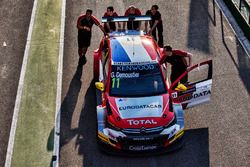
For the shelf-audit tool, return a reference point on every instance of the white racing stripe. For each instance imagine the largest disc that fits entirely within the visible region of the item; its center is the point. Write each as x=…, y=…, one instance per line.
x=134, y=48
x=20, y=89
x=56, y=150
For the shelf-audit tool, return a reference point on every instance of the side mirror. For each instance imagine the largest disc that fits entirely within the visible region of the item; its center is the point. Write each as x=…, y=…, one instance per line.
x=181, y=88
x=99, y=86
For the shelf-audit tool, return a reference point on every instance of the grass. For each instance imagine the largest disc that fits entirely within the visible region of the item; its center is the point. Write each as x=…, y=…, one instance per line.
x=37, y=113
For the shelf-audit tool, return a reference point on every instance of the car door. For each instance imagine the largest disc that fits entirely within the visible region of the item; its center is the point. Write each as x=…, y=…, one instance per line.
x=198, y=88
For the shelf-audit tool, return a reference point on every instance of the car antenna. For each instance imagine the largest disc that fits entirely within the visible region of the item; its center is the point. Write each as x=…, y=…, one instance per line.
x=133, y=46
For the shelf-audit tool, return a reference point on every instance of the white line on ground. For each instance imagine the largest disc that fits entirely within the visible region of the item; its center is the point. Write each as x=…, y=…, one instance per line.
x=20, y=89
x=56, y=150
x=235, y=27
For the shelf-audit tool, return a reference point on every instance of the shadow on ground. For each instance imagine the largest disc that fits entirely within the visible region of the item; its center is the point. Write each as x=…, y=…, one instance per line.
x=243, y=61
x=198, y=30
x=68, y=108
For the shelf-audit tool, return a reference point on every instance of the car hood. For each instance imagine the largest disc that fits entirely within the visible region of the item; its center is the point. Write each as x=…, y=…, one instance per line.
x=141, y=111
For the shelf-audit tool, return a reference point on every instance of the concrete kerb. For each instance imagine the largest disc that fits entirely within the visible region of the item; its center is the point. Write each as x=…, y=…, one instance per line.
x=235, y=27
x=20, y=89
x=56, y=151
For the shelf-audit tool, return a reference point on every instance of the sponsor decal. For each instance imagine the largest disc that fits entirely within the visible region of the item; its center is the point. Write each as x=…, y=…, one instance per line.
x=124, y=75
x=174, y=95
x=189, y=96
x=134, y=63
x=142, y=121
x=142, y=138
x=144, y=106
x=143, y=67
x=120, y=100
x=189, y=90
x=140, y=107
x=184, y=97
x=141, y=148
x=204, y=93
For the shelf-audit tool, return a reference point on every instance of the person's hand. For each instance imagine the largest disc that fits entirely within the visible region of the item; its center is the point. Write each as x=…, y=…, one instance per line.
x=150, y=32
x=86, y=28
x=190, y=59
x=106, y=35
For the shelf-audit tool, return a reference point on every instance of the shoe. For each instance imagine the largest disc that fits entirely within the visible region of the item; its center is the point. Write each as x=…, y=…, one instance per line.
x=82, y=61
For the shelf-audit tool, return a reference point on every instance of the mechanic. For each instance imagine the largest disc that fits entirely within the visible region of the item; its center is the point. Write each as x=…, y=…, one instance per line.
x=155, y=23
x=109, y=27
x=84, y=26
x=132, y=25
x=177, y=58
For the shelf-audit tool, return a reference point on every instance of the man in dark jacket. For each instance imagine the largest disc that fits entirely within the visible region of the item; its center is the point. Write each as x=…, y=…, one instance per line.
x=109, y=27
x=155, y=23
x=132, y=25
x=177, y=58
x=84, y=26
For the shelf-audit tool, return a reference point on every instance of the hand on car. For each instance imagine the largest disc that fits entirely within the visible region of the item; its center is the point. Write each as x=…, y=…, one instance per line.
x=150, y=32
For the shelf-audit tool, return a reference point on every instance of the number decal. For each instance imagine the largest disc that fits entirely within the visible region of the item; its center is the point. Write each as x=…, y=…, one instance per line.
x=174, y=95
x=113, y=82
x=116, y=81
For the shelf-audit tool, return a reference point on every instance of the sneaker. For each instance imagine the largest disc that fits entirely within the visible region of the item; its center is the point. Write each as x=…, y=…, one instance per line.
x=82, y=61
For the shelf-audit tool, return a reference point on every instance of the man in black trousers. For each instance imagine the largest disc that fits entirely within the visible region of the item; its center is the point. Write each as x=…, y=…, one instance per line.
x=84, y=26
x=155, y=23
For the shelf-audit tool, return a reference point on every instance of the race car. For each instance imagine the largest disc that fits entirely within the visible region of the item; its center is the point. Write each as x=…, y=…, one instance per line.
x=137, y=108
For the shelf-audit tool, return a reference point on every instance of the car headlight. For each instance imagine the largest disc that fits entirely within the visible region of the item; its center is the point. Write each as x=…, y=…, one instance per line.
x=113, y=134
x=171, y=131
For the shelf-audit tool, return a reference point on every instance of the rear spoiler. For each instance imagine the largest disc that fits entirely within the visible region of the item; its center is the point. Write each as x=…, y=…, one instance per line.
x=126, y=18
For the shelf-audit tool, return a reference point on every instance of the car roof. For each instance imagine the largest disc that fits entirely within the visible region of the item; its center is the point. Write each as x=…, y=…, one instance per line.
x=133, y=48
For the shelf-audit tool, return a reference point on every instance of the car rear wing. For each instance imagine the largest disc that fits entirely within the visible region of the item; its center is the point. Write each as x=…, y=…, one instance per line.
x=126, y=18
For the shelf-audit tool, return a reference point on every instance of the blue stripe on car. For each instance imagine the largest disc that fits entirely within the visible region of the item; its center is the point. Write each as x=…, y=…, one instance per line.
x=118, y=52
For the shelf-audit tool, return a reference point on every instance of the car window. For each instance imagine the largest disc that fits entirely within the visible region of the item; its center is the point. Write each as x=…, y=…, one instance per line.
x=164, y=70
x=136, y=80
x=198, y=74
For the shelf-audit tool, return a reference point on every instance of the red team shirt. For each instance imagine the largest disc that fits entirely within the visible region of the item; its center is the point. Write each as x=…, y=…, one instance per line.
x=111, y=24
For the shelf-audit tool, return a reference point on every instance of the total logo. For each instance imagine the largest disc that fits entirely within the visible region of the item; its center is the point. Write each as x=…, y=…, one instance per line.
x=142, y=122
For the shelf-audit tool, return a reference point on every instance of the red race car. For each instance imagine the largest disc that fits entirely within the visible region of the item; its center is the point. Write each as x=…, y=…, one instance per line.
x=137, y=109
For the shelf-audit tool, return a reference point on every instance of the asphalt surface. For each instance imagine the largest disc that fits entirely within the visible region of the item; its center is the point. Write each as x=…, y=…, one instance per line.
x=14, y=24
x=217, y=133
